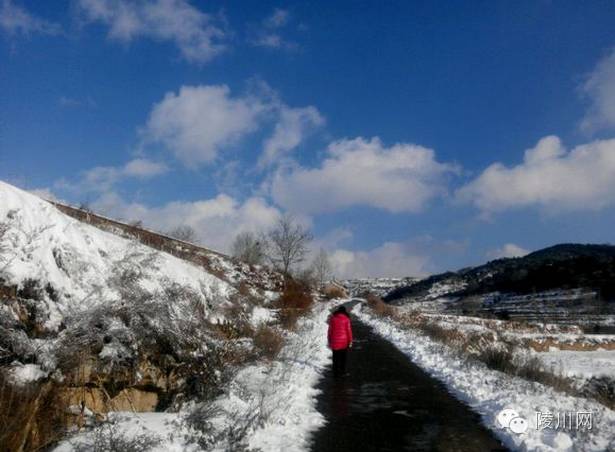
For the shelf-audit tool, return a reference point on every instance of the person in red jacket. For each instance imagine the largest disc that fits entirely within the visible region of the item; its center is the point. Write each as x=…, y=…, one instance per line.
x=340, y=339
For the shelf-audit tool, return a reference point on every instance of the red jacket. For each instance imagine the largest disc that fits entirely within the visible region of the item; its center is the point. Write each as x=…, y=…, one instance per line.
x=340, y=332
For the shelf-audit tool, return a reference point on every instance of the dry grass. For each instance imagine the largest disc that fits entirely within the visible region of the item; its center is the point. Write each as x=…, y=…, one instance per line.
x=295, y=301
x=441, y=334
x=528, y=368
x=268, y=341
x=32, y=417
x=379, y=307
x=332, y=292
x=494, y=352
x=602, y=389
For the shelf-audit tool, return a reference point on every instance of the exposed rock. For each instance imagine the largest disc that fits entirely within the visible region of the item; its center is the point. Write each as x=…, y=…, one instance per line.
x=98, y=401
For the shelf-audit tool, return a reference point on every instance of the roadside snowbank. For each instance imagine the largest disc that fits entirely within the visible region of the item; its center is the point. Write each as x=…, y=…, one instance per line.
x=488, y=392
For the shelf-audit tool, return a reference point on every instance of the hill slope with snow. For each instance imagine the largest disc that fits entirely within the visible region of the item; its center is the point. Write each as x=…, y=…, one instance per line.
x=69, y=263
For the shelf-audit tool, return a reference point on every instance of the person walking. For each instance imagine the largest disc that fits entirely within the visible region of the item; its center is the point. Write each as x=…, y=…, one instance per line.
x=339, y=339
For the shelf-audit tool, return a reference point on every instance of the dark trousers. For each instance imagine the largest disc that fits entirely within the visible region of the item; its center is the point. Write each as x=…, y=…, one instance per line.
x=339, y=362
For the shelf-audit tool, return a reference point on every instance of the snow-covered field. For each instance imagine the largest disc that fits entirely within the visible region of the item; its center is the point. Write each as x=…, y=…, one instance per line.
x=488, y=392
x=580, y=364
x=274, y=402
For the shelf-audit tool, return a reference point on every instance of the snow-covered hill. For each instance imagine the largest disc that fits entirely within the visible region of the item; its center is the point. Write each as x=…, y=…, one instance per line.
x=60, y=277
x=68, y=264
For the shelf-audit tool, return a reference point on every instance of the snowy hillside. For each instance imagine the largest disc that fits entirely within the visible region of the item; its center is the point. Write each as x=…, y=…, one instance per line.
x=69, y=263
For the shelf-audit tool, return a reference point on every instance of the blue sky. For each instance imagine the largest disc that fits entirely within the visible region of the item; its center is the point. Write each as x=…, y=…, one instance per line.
x=412, y=137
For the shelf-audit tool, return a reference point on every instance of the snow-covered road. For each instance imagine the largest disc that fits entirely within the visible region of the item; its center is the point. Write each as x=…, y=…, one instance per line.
x=387, y=403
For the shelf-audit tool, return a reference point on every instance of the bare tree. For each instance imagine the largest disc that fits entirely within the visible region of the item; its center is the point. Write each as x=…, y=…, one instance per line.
x=184, y=233
x=250, y=248
x=288, y=244
x=321, y=267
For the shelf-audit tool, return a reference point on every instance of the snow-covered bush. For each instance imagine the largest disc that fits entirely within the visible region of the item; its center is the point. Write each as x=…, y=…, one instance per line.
x=109, y=437
x=203, y=432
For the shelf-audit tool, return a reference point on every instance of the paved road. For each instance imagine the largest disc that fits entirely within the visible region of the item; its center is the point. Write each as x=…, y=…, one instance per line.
x=389, y=404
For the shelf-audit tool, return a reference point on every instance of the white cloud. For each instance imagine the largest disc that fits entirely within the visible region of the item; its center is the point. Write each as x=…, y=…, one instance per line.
x=400, y=178
x=392, y=259
x=143, y=168
x=599, y=89
x=508, y=250
x=216, y=221
x=199, y=121
x=278, y=18
x=16, y=20
x=549, y=177
x=196, y=34
x=292, y=127
x=268, y=34
x=103, y=178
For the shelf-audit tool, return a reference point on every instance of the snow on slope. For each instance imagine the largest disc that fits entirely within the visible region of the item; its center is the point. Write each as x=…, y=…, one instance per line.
x=279, y=399
x=488, y=392
x=74, y=260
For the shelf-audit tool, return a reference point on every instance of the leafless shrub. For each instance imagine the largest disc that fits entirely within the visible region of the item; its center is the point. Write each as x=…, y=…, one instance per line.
x=184, y=233
x=295, y=301
x=108, y=437
x=307, y=277
x=497, y=359
x=244, y=289
x=268, y=341
x=4, y=229
x=232, y=438
x=379, y=307
x=202, y=431
x=15, y=241
x=250, y=248
x=602, y=389
x=333, y=291
x=440, y=334
x=321, y=267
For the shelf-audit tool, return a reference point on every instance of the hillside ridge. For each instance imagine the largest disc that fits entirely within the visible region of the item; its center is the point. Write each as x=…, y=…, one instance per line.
x=565, y=265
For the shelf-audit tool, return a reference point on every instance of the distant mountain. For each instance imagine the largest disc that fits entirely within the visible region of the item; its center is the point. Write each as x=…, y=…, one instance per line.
x=561, y=266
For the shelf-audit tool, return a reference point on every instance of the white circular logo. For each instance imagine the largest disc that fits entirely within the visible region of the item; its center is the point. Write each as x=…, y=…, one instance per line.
x=518, y=425
x=505, y=416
